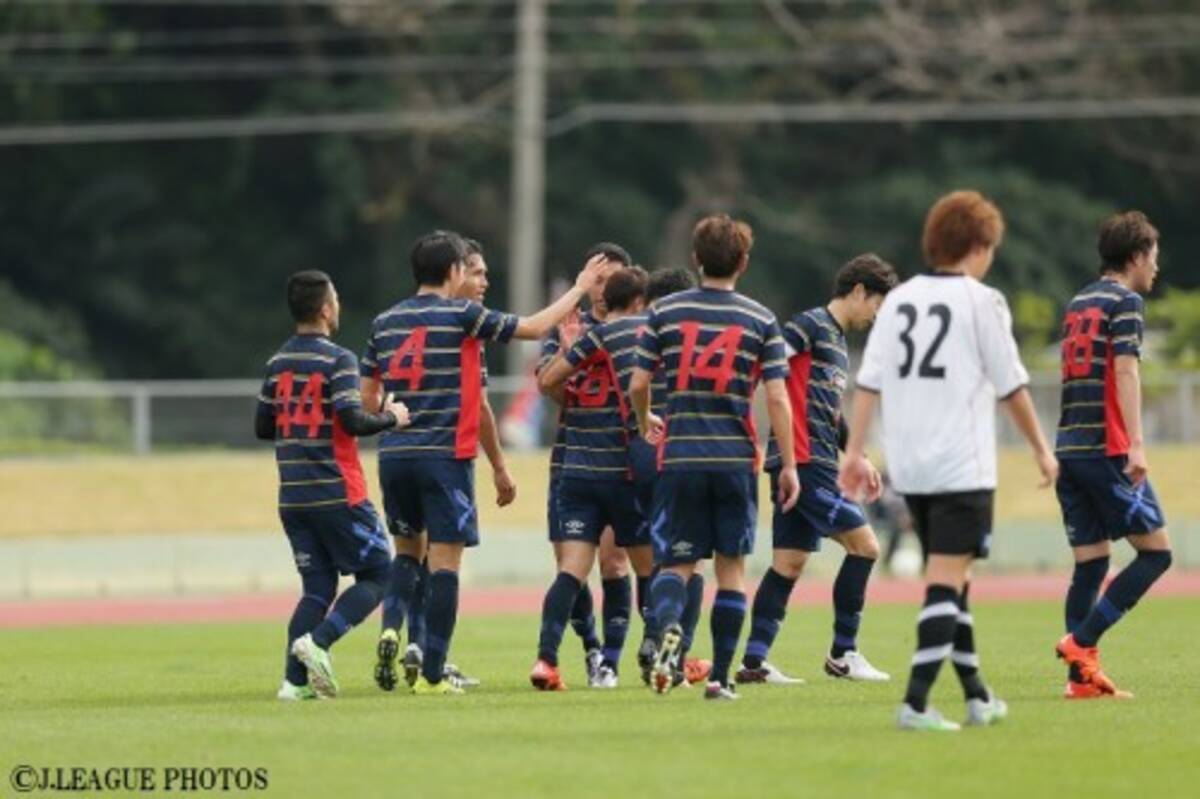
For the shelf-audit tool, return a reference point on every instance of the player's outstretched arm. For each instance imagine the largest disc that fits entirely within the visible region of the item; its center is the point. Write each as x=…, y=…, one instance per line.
x=489, y=439
x=542, y=322
x=372, y=394
x=1129, y=398
x=779, y=411
x=1019, y=405
x=358, y=422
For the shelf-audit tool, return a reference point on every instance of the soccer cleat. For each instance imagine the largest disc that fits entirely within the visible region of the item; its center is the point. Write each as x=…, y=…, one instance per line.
x=766, y=673
x=423, y=687
x=413, y=658
x=853, y=666
x=645, y=658
x=696, y=670
x=606, y=677
x=1087, y=690
x=929, y=721
x=295, y=693
x=982, y=713
x=452, y=672
x=319, y=665
x=1087, y=660
x=545, y=677
x=717, y=692
x=591, y=663
x=386, y=652
x=662, y=673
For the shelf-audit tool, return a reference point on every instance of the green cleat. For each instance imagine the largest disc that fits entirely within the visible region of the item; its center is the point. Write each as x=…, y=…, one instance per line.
x=929, y=721
x=386, y=653
x=295, y=693
x=319, y=665
x=423, y=687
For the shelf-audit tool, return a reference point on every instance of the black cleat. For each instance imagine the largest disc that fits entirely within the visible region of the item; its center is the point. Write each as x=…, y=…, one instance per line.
x=645, y=658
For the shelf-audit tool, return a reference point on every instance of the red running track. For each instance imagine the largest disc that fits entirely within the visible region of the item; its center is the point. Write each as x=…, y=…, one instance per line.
x=492, y=601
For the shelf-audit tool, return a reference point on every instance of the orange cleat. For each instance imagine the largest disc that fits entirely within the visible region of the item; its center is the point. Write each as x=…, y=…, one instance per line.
x=546, y=677
x=1087, y=690
x=1087, y=660
x=696, y=670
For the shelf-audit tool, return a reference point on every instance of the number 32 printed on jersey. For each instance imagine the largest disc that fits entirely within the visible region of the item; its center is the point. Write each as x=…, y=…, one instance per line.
x=928, y=368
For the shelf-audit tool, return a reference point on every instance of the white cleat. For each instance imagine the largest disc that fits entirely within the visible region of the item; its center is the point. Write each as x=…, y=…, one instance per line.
x=319, y=665
x=592, y=660
x=853, y=666
x=716, y=692
x=295, y=693
x=929, y=721
x=983, y=714
x=604, y=677
x=766, y=673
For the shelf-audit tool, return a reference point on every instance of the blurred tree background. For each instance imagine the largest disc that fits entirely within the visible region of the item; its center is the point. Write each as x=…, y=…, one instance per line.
x=167, y=258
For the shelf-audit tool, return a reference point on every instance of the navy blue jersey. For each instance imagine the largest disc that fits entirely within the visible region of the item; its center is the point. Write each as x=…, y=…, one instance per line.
x=427, y=350
x=818, y=364
x=1103, y=320
x=551, y=345
x=598, y=420
x=715, y=346
x=308, y=381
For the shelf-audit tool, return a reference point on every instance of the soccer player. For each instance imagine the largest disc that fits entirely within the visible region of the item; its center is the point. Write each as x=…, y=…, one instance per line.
x=818, y=366
x=1103, y=488
x=310, y=406
x=716, y=345
x=474, y=288
x=616, y=602
x=940, y=353
x=427, y=349
x=596, y=489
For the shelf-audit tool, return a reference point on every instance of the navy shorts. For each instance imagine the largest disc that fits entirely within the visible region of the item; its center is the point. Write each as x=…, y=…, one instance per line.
x=1099, y=503
x=349, y=539
x=435, y=496
x=820, y=512
x=697, y=514
x=957, y=523
x=552, y=519
x=586, y=507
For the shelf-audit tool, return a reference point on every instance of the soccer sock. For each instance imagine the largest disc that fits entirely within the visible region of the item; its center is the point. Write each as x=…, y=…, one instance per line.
x=966, y=661
x=1123, y=593
x=401, y=583
x=691, y=611
x=668, y=596
x=354, y=605
x=728, y=613
x=849, y=596
x=1081, y=596
x=770, y=606
x=583, y=621
x=440, y=617
x=310, y=611
x=935, y=638
x=556, y=608
x=618, y=601
x=416, y=608
x=643, y=596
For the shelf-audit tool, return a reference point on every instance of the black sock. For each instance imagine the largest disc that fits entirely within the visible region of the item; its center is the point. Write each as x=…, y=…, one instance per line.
x=668, y=597
x=441, y=615
x=1081, y=596
x=556, y=609
x=416, y=608
x=617, y=607
x=642, y=585
x=319, y=590
x=1123, y=593
x=728, y=614
x=692, y=607
x=770, y=606
x=401, y=583
x=963, y=656
x=583, y=619
x=849, y=596
x=935, y=638
x=355, y=604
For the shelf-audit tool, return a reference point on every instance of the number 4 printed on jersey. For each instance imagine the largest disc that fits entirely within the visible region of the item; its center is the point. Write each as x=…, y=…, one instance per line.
x=307, y=411
x=725, y=345
x=413, y=349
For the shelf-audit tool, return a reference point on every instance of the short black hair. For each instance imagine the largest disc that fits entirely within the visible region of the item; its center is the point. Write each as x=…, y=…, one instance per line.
x=611, y=251
x=434, y=254
x=624, y=287
x=667, y=281
x=876, y=275
x=307, y=292
x=1122, y=238
x=473, y=247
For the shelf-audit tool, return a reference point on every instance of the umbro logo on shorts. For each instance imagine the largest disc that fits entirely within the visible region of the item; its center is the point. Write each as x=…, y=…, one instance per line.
x=303, y=560
x=681, y=549
x=573, y=527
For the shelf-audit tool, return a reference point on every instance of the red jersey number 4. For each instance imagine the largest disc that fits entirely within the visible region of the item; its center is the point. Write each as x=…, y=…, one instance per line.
x=304, y=411
x=714, y=362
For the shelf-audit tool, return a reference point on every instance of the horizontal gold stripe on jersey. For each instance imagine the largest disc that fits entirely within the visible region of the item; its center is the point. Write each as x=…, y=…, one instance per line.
x=329, y=481
x=301, y=356
x=321, y=504
x=760, y=316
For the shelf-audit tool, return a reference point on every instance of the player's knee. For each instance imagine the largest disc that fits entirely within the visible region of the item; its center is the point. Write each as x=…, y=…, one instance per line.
x=1159, y=559
x=614, y=565
x=321, y=586
x=789, y=562
x=376, y=574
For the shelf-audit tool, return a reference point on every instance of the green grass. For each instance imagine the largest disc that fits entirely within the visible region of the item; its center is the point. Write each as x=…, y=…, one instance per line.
x=203, y=695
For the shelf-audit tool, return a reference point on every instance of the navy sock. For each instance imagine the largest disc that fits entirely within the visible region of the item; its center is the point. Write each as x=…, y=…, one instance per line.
x=617, y=607
x=643, y=600
x=1081, y=596
x=440, y=617
x=401, y=583
x=849, y=596
x=310, y=611
x=728, y=614
x=556, y=609
x=935, y=639
x=770, y=606
x=691, y=610
x=1123, y=593
x=416, y=608
x=963, y=655
x=668, y=595
x=583, y=619
x=355, y=604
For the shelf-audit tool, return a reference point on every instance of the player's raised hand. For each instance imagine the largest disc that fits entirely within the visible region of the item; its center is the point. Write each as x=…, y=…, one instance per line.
x=789, y=488
x=595, y=271
x=569, y=330
x=874, y=483
x=1137, y=467
x=653, y=429
x=853, y=476
x=397, y=409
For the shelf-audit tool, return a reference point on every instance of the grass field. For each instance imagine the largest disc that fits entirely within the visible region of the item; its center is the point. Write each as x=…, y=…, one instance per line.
x=202, y=695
